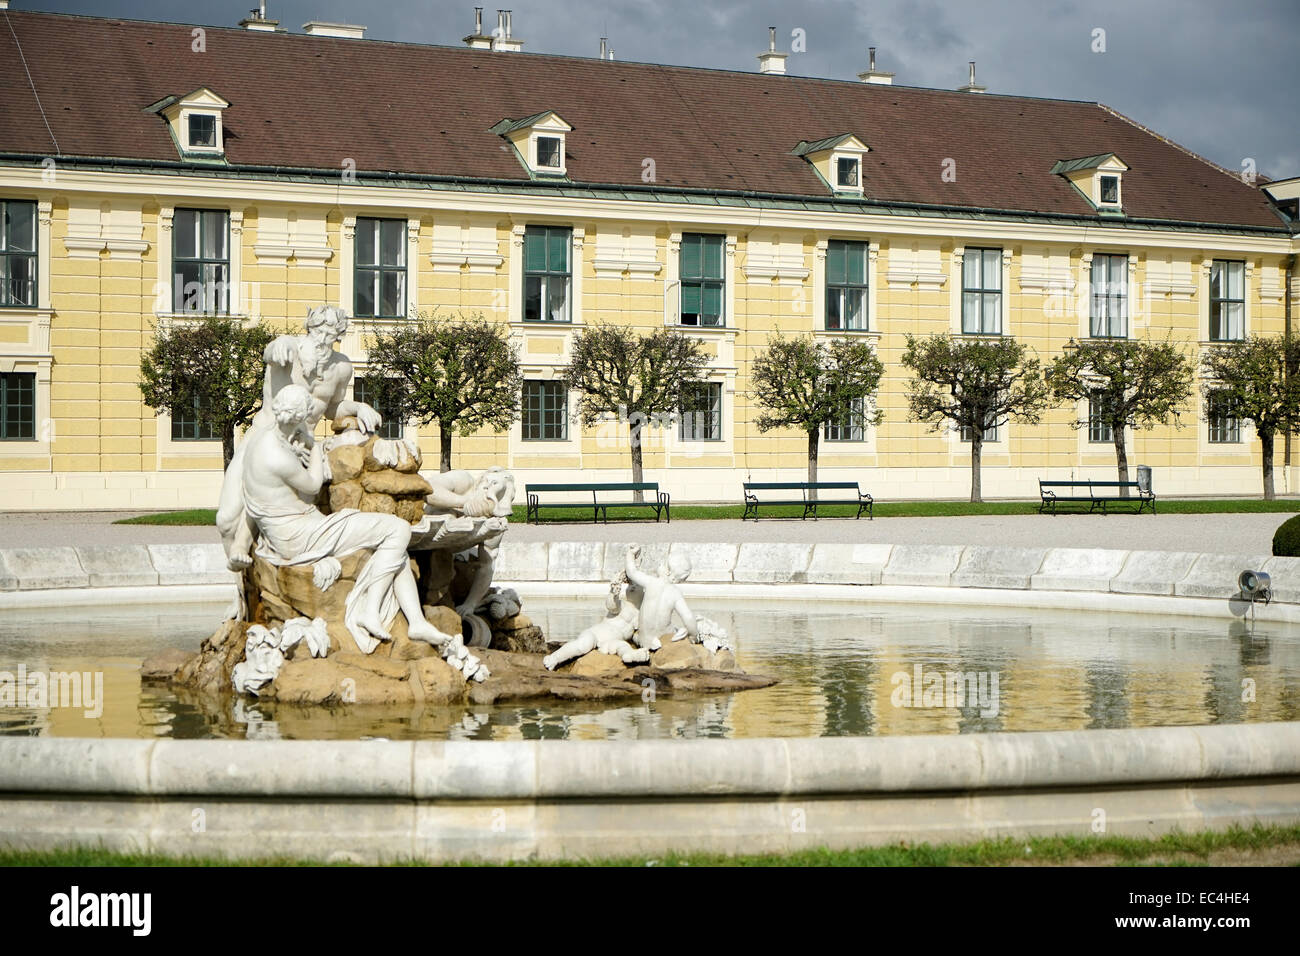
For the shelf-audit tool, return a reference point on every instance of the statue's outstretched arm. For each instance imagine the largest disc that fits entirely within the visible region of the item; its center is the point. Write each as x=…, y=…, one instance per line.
x=634, y=574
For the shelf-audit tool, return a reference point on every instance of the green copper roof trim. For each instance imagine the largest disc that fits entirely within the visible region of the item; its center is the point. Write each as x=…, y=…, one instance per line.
x=1064, y=166
x=821, y=145
x=629, y=193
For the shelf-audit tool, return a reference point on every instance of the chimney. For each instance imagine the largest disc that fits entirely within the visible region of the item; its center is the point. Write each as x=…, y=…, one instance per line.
x=320, y=28
x=502, y=37
x=871, y=74
x=604, y=48
x=770, y=61
x=257, y=20
x=4, y=4
x=970, y=87
x=477, y=40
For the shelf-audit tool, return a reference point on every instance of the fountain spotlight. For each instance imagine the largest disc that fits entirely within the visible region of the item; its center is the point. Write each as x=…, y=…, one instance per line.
x=1255, y=586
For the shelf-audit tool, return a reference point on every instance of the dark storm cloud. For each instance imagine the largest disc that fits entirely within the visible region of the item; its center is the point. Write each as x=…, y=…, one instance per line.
x=1219, y=79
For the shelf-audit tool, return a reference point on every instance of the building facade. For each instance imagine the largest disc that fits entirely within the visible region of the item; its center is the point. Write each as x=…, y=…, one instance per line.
x=153, y=172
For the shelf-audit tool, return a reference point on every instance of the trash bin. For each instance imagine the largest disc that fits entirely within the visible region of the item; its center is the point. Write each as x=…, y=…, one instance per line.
x=1144, y=479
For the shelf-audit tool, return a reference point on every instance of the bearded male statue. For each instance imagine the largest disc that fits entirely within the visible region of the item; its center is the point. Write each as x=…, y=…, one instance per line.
x=310, y=361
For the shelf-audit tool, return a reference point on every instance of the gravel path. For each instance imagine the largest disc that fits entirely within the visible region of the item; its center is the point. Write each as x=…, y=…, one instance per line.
x=1226, y=533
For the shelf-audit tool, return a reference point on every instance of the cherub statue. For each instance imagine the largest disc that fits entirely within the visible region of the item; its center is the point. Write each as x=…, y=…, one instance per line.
x=661, y=597
x=610, y=636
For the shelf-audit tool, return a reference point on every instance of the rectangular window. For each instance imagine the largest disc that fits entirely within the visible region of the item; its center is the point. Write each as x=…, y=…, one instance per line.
x=363, y=390
x=201, y=261
x=846, y=172
x=18, y=406
x=981, y=292
x=1099, y=430
x=849, y=425
x=1110, y=189
x=1109, y=311
x=701, y=412
x=203, y=130
x=846, y=285
x=545, y=411
x=992, y=432
x=17, y=253
x=702, y=280
x=380, y=277
x=1227, y=300
x=1225, y=428
x=547, y=277
x=189, y=424
x=548, y=152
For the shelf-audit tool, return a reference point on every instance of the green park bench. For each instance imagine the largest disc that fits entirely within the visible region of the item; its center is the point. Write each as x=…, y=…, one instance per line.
x=1095, y=494
x=810, y=496
x=603, y=497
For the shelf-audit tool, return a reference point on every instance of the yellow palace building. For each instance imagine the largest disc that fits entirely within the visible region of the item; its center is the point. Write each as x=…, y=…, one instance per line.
x=151, y=172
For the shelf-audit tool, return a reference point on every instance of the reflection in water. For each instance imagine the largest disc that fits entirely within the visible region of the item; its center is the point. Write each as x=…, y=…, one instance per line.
x=839, y=666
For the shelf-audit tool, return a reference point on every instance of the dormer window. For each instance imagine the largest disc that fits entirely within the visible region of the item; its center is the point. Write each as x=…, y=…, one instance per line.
x=539, y=141
x=1097, y=178
x=837, y=160
x=846, y=172
x=203, y=131
x=549, y=150
x=195, y=122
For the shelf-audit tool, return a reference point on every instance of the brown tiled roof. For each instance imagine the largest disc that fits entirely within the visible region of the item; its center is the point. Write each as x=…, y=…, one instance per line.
x=305, y=101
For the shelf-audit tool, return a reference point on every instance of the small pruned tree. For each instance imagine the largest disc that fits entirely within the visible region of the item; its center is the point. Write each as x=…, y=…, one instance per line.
x=211, y=368
x=638, y=377
x=973, y=384
x=806, y=383
x=1254, y=380
x=461, y=373
x=1124, y=384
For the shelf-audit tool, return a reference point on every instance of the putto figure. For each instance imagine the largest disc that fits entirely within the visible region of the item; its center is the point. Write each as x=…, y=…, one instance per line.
x=311, y=362
x=610, y=636
x=283, y=470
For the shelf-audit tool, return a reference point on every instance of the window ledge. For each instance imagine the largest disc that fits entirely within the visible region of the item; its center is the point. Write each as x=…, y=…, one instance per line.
x=847, y=333
x=706, y=329
x=1208, y=343
x=198, y=316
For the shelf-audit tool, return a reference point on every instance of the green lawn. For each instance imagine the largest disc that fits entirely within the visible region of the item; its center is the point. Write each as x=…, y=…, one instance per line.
x=886, y=509
x=1259, y=844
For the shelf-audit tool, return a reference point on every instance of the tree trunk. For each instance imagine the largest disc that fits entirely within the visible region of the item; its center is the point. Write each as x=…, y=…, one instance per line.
x=635, y=424
x=1121, y=456
x=813, y=438
x=1266, y=445
x=444, y=444
x=227, y=444
x=976, y=453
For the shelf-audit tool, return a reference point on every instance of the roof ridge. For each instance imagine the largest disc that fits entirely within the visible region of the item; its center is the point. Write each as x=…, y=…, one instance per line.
x=882, y=89
x=1178, y=146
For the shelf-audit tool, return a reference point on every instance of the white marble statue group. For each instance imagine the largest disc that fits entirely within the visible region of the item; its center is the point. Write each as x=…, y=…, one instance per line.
x=268, y=508
x=639, y=614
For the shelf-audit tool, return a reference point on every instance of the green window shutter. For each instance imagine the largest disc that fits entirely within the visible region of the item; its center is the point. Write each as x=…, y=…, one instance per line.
x=712, y=300
x=713, y=257
x=691, y=258
x=856, y=261
x=535, y=250
x=690, y=299
x=557, y=241
x=836, y=269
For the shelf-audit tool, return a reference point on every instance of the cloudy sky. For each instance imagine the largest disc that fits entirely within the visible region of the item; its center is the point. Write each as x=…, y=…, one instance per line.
x=1218, y=78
